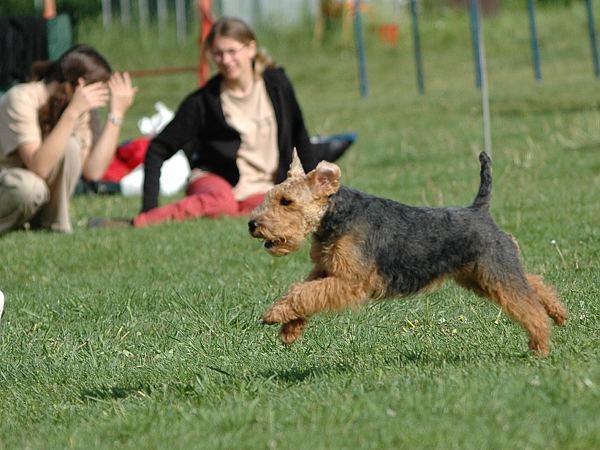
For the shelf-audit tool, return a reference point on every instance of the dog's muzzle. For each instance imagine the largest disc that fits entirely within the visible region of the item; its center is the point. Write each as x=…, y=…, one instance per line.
x=269, y=244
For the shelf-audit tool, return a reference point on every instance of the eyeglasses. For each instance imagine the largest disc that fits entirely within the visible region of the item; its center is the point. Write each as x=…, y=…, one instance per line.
x=220, y=54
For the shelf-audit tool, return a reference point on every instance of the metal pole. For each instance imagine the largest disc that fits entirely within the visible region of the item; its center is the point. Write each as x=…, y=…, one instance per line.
x=475, y=34
x=481, y=64
x=256, y=12
x=592, y=31
x=162, y=13
x=125, y=13
x=535, y=46
x=181, y=21
x=144, y=13
x=485, y=98
x=106, y=13
x=417, y=46
x=362, y=64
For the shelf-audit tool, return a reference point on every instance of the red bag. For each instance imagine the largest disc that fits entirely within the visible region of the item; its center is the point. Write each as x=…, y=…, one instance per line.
x=129, y=155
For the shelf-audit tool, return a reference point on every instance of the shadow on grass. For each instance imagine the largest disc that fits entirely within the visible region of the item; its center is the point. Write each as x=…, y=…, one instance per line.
x=444, y=359
x=398, y=361
x=594, y=146
x=103, y=393
x=298, y=375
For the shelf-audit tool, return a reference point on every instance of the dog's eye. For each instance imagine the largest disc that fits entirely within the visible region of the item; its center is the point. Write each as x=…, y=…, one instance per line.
x=285, y=201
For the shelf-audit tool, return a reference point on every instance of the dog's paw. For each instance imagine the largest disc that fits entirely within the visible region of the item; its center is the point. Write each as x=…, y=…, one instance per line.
x=279, y=313
x=291, y=331
x=539, y=346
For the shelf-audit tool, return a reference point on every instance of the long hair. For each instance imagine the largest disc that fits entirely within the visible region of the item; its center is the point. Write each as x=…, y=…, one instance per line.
x=80, y=61
x=234, y=28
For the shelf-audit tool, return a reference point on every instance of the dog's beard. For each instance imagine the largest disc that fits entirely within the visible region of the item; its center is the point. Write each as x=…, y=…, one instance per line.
x=278, y=245
x=282, y=246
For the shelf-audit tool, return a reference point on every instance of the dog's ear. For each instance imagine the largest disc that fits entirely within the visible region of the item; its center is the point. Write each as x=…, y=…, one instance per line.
x=324, y=180
x=296, y=169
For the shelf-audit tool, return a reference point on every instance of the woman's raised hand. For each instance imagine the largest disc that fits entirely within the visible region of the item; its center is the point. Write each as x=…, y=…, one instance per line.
x=122, y=93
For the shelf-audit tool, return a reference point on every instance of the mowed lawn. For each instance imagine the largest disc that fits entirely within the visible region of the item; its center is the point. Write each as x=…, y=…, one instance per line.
x=151, y=338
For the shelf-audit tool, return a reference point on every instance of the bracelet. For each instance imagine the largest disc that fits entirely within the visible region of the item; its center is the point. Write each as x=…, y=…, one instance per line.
x=118, y=121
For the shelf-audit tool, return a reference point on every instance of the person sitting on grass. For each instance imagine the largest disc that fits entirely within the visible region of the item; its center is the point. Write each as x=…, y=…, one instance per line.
x=50, y=136
x=238, y=133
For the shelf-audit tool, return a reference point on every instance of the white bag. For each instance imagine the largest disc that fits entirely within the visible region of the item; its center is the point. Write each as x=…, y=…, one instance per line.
x=174, y=172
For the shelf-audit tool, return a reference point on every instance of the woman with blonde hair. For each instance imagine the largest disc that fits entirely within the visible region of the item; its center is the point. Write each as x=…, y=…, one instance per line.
x=50, y=136
x=238, y=132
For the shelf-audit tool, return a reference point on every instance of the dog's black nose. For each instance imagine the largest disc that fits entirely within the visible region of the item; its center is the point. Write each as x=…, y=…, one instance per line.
x=252, y=225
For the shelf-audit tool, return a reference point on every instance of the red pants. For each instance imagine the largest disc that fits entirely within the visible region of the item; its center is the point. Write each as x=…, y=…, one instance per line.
x=208, y=196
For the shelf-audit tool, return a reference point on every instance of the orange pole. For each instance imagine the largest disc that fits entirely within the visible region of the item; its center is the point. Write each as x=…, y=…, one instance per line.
x=49, y=9
x=206, y=21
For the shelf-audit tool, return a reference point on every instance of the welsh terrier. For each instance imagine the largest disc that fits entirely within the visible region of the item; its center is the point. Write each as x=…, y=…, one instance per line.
x=366, y=247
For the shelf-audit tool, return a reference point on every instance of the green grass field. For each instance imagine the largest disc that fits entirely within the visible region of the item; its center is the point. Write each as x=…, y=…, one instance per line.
x=150, y=339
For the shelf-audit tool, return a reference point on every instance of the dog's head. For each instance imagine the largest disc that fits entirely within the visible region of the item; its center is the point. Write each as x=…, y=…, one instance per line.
x=294, y=208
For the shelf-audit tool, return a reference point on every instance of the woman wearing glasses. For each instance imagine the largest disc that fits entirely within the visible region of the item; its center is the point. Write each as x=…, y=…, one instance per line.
x=238, y=132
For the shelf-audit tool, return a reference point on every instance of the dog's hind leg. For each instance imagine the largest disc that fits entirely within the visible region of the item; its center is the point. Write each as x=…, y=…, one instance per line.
x=519, y=300
x=525, y=308
x=549, y=299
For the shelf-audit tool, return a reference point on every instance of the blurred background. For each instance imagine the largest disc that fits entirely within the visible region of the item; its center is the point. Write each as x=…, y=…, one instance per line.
x=417, y=59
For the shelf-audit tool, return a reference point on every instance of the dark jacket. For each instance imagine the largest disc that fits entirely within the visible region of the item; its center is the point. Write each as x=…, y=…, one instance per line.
x=200, y=129
x=23, y=40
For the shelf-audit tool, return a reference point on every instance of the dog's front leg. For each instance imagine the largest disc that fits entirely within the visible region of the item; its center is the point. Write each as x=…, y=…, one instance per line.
x=292, y=330
x=310, y=297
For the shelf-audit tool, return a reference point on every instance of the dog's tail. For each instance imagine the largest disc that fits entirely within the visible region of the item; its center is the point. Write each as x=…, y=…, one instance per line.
x=482, y=200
